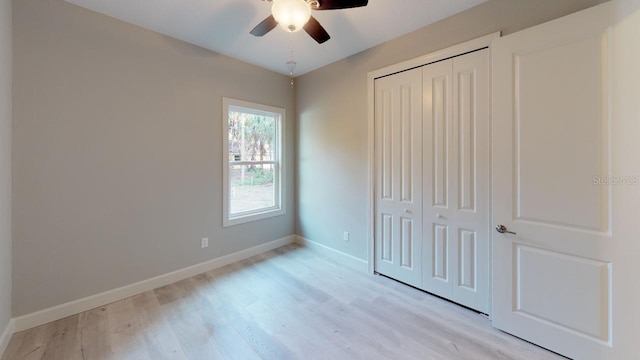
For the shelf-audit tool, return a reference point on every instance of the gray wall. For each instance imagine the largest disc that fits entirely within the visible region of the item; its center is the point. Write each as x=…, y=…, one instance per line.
x=5, y=163
x=332, y=116
x=117, y=153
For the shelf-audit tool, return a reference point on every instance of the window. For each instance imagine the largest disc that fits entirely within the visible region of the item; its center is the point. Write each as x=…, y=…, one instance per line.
x=252, y=138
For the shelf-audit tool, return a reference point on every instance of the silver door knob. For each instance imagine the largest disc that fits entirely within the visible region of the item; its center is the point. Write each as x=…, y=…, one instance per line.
x=503, y=229
x=407, y=211
x=439, y=216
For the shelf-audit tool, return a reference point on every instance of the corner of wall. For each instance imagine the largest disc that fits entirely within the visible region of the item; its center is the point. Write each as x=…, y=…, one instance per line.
x=6, y=75
x=337, y=256
x=5, y=336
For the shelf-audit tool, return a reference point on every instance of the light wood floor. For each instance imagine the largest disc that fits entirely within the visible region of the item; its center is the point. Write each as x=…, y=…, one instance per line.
x=290, y=303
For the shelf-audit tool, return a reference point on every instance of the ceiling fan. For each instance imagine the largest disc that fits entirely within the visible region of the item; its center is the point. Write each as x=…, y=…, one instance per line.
x=293, y=15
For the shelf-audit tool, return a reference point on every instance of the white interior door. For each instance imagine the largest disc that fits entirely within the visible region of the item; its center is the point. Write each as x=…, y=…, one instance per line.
x=551, y=146
x=456, y=179
x=398, y=186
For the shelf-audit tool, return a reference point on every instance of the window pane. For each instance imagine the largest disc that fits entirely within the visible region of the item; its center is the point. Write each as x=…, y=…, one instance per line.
x=251, y=187
x=251, y=137
x=252, y=163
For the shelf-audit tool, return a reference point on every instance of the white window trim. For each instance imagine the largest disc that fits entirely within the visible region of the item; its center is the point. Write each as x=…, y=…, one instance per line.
x=279, y=176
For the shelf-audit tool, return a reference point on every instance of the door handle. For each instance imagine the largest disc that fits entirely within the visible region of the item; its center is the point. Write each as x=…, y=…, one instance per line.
x=503, y=229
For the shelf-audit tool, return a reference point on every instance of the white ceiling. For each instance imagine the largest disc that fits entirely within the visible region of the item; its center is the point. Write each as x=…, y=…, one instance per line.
x=223, y=26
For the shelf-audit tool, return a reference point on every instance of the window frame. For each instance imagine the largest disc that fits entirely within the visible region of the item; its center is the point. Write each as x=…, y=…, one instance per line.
x=278, y=163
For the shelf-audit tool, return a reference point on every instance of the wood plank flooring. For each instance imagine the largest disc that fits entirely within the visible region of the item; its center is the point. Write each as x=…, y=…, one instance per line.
x=290, y=303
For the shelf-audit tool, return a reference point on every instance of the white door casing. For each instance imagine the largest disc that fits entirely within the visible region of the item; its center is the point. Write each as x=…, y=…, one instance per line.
x=398, y=186
x=456, y=179
x=551, y=142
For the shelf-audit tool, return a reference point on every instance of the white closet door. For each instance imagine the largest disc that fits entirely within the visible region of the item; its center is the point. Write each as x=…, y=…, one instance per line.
x=398, y=159
x=552, y=158
x=437, y=276
x=456, y=179
x=471, y=181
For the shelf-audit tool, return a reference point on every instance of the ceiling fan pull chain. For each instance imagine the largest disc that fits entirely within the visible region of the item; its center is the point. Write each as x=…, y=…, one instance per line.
x=291, y=63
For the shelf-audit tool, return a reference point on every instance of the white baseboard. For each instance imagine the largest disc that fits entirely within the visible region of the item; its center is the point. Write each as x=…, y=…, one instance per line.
x=336, y=255
x=91, y=302
x=5, y=336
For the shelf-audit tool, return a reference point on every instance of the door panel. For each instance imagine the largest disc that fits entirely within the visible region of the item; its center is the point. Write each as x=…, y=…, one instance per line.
x=437, y=149
x=471, y=186
x=406, y=242
x=440, y=119
x=466, y=85
x=467, y=270
x=552, y=279
x=534, y=290
x=386, y=238
x=580, y=107
x=456, y=164
x=398, y=159
x=440, y=255
x=385, y=132
x=407, y=144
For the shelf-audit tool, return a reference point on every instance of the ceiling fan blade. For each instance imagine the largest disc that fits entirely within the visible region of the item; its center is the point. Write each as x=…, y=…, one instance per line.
x=340, y=4
x=264, y=27
x=316, y=31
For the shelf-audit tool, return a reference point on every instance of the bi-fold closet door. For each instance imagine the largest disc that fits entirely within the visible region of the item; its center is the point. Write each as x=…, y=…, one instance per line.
x=398, y=149
x=437, y=238
x=455, y=261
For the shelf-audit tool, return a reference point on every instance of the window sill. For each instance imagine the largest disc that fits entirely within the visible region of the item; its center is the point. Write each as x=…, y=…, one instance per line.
x=252, y=217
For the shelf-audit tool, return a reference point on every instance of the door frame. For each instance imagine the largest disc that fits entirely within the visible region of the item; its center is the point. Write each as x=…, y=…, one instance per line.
x=453, y=51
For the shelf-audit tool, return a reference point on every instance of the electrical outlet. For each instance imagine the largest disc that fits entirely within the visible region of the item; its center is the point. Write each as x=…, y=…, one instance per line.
x=204, y=243
x=345, y=236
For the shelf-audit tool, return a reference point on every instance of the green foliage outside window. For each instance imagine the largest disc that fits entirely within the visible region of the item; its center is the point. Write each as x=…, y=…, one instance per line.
x=251, y=138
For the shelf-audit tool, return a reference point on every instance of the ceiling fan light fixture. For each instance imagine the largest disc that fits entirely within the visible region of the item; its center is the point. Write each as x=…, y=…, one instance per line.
x=291, y=15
